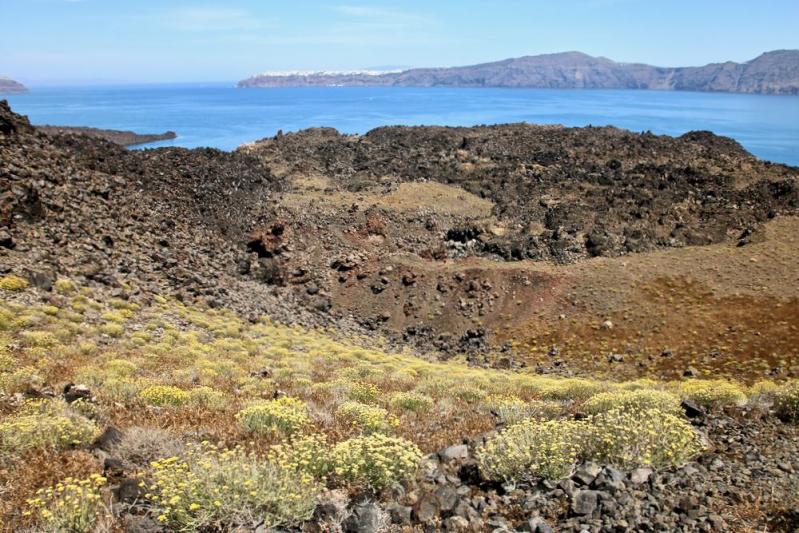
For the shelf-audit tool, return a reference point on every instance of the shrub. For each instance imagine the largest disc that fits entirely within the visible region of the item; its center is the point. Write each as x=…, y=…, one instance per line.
x=112, y=329
x=308, y=454
x=21, y=380
x=45, y=423
x=39, y=339
x=577, y=389
x=377, y=461
x=547, y=449
x=712, y=393
x=73, y=505
x=510, y=409
x=630, y=400
x=139, y=446
x=213, y=489
x=411, y=401
x=364, y=393
x=630, y=437
x=165, y=396
x=284, y=415
x=207, y=398
x=786, y=401
x=64, y=286
x=13, y=283
x=367, y=418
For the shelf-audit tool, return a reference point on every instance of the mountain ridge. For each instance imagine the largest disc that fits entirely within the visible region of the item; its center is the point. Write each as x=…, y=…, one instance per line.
x=7, y=85
x=774, y=72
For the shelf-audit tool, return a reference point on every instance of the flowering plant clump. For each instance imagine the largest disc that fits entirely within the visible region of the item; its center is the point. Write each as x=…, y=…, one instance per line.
x=305, y=453
x=165, y=396
x=364, y=392
x=630, y=437
x=511, y=409
x=377, y=461
x=218, y=489
x=411, y=401
x=711, y=393
x=72, y=505
x=367, y=418
x=207, y=398
x=45, y=423
x=541, y=448
x=284, y=415
x=13, y=283
x=632, y=400
x=786, y=401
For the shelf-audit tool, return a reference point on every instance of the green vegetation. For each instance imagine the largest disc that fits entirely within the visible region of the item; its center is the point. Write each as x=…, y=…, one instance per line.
x=291, y=412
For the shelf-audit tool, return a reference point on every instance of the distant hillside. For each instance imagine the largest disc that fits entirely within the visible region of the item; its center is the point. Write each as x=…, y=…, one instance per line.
x=7, y=85
x=774, y=72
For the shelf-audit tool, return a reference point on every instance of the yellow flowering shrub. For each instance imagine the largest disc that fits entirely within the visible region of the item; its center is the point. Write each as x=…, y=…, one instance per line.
x=367, y=418
x=377, y=461
x=577, y=389
x=364, y=392
x=411, y=401
x=786, y=401
x=12, y=283
x=284, y=415
x=45, y=423
x=165, y=396
x=710, y=393
x=630, y=437
x=20, y=379
x=64, y=286
x=213, y=489
x=39, y=339
x=540, y=448
x=74, y=506
x=637, y=399
x=305, y=453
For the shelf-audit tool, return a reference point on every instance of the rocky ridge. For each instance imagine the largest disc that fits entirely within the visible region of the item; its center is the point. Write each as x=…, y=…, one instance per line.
x=775, y=72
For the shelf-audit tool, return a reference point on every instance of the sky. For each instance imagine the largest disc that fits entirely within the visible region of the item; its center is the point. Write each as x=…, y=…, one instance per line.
x=150, y=41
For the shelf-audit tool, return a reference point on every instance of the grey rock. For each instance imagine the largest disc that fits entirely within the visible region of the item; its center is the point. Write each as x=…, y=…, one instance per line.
x=447, y=497
x=364, y=518
x=456, y=523
x=640, y=475
x=456, y=452
x=586, y=473
x=400, y=514
x=585, y=502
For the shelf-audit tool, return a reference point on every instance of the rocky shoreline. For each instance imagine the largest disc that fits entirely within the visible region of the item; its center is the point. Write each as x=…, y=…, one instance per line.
x=121, y=137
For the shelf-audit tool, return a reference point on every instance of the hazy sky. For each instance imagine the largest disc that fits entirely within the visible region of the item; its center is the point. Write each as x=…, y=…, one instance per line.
x=179, y=40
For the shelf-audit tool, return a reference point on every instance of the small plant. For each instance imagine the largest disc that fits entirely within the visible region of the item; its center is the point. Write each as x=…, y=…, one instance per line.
x=207, y=398
x=364, y=393
x=786, y=401
x=308, y=454
x=630, y=400
x=411, y=401
x=712, y=393
x=139, y=446
x=165, y=396
x=64, y=286
x=112, y=329
x=367, y=418
x=13, y=283
x=213, y=489
x=631, y=437
x=45, y=423
x=284, y=415
x=377, y=461
x=547, y=449
x=74, y=506
x=510, y=409
x=39, y=339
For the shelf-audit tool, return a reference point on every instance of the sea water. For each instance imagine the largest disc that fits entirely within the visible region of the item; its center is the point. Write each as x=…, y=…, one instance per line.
x=222, y=116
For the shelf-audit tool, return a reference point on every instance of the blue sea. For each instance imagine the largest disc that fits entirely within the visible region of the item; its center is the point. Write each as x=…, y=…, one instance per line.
x=221, y=116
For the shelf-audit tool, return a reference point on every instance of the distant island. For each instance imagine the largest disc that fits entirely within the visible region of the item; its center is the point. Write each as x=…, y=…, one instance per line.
x=775, y=72
x=121, y=137
x=7, y=85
